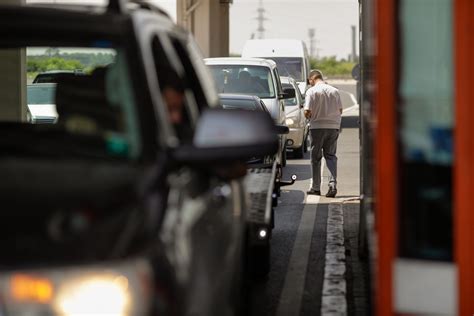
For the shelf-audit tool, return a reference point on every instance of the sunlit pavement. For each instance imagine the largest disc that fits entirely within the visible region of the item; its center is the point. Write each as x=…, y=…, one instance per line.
x=315, y=267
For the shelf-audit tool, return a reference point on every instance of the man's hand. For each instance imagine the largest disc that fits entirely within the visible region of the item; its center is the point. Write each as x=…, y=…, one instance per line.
x=307, y=114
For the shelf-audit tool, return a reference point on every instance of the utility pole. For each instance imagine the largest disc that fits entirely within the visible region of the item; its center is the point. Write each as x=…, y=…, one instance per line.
x=354, y=54
x=261, y=18
x=311, y=34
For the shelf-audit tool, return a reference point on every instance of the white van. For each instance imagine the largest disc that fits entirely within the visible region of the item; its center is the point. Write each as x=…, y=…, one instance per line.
x=290, y=55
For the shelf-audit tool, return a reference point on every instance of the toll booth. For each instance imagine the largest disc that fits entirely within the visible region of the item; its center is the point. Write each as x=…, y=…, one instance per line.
x=13, y=80
x=419, y=112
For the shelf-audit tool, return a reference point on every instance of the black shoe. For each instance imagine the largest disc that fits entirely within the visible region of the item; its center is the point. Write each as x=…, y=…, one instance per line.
x=314, y=192
x=331, y=192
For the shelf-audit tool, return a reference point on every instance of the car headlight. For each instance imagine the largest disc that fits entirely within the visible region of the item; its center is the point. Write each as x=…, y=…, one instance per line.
x=291, y=122
x=80, y=297
x=117, y=290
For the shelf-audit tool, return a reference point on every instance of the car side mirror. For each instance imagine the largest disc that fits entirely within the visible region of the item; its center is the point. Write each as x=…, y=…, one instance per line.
x=282, y=129
x=227, y=136
x=288, y=93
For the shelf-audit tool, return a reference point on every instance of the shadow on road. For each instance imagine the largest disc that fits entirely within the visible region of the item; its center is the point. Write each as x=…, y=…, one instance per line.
x=350, y=122
x=291, y=197
x=303, y=172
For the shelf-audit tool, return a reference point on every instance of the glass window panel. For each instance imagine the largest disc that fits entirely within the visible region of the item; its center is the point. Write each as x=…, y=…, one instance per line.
x=426, y=124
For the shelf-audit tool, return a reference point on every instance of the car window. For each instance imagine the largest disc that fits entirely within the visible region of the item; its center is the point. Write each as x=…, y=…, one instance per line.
x=41, y=93
x=92, y=115
x=178, y=98
x=289, y=66
x=277, y=76
x=203, y=72
x=191, y=77
x=244, y=79
x=299, y=96
x=292, y=101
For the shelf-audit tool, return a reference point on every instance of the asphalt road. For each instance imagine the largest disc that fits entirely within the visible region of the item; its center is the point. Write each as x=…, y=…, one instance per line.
x=294, y=285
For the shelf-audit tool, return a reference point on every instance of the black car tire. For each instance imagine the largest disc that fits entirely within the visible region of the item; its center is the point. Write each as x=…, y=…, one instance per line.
x=240, y=288
x=260, y=261
x=283, y=158
x=299, y=152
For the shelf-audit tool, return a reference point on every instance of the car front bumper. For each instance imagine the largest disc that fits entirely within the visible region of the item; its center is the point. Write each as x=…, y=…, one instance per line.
x=296, y=135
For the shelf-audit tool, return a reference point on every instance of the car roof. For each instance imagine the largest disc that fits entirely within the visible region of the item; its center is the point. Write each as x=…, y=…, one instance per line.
x=274, y=47
x=18, y=20
x=48, y=72
x=84, y=19
x=131, y=5
x=240, y=61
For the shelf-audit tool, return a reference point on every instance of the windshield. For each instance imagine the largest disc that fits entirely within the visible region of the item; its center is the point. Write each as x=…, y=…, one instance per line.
x=289, y=67
x=41, y=93
x=88, y=112
x=243, y=79
x=231, y=104
x=292, y=101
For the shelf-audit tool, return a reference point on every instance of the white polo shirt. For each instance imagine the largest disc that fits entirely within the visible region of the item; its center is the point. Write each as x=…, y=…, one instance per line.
x=325, y=105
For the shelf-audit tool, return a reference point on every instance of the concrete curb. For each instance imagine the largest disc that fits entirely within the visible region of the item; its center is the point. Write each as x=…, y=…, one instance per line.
x=334, y=300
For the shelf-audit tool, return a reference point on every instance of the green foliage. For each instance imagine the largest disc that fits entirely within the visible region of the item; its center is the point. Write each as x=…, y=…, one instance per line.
x=54, y=63
x=52, y=60
x=331, y=67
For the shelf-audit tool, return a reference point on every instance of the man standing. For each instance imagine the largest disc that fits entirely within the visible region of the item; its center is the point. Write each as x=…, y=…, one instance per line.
x=323, y=108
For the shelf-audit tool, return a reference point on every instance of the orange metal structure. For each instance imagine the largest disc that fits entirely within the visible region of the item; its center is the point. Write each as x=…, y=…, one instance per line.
x=386, y=155
x=464, y=154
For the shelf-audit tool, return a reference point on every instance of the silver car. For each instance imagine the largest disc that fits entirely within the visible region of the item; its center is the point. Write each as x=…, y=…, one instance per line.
x=299, y=129
x=253, y=76
x=41, y=107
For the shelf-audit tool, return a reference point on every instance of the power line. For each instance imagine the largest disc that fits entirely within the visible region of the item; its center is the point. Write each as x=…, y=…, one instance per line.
x=261, y=18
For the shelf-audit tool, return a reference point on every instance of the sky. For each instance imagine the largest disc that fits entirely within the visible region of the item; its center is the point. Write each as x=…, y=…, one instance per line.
x=331, y=19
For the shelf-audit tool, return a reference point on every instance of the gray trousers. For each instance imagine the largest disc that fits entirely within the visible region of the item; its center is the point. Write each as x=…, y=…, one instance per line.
x=324, y=142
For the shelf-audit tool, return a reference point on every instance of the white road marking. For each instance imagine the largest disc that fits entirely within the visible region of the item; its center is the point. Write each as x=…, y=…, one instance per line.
x=351, y=108
x=293, y=288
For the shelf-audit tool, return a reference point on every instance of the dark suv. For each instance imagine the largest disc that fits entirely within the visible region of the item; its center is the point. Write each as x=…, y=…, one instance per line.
x=56, y=75
x=131, y=203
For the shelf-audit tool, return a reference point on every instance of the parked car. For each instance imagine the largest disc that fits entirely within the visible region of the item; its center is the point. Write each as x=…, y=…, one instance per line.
x=297, y=139
x=132, y=203
x=53, y=76
x=253, y=76
x=263, y=182
x=41, y=107
x=290, y=55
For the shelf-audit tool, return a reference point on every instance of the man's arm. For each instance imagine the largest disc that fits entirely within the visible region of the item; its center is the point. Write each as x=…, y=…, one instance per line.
x=339, y=102
x=307, y=102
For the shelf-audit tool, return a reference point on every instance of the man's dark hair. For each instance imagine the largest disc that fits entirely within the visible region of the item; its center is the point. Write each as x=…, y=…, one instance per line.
x=172, y=80
x=316, y=74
